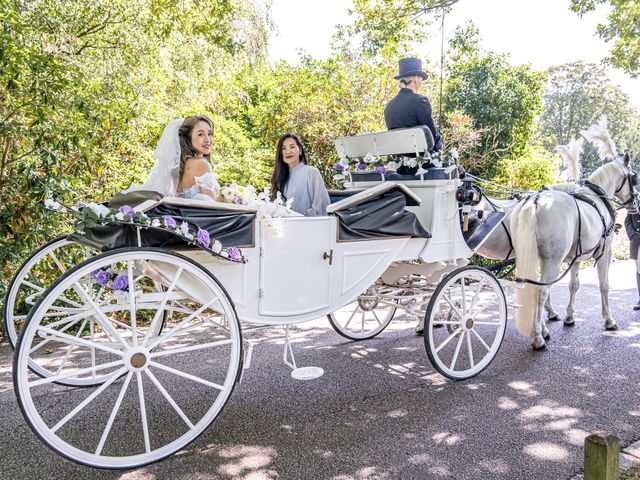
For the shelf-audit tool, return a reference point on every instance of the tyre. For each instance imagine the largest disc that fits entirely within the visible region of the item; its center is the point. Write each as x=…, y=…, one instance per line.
x=363, y=318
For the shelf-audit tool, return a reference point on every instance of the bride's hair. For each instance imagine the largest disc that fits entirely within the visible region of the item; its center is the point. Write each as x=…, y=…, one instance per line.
x=184, y=134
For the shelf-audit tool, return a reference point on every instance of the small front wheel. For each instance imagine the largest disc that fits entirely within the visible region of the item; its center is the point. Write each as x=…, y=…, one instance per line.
x=471, y=304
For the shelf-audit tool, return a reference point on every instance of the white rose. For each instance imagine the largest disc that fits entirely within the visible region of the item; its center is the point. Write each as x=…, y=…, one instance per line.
x=392, y=166
x=155, y=222
x=216, y=246
x=120, y=216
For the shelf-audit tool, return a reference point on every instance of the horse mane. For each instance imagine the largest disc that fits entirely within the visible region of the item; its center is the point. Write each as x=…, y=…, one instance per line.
x=605, y=173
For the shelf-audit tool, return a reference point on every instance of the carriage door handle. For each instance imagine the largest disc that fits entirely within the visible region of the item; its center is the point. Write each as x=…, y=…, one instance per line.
x=329, y=256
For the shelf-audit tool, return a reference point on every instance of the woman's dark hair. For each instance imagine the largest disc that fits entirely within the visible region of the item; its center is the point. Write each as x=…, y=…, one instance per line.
x=280, y=175
x=184, y=134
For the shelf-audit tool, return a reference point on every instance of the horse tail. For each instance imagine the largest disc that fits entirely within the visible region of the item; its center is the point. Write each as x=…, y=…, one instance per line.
x=525, y=240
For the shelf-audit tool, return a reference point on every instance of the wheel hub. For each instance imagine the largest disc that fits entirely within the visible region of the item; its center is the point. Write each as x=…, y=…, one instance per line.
x=469, y=323
x=138, y=359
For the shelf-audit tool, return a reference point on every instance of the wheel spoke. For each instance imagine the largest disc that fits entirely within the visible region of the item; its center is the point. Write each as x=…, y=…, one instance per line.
x=33, y=285
x=471, y=362
x=79, y=372
x=71, y=348
x=114, y=376
x=476, y=295
x=355, y=310
x=457, y=351
x=47, y=340
x=447, y=340
x=132, y=306
x=169, y=399
x=178, y=327
x=464, y=299
x=481, y=340
x=191, y=348
x=480, y=322
x=143, y=413
x=186, y=375
x=61, y=267
x=453, y=307
x=79, y=341
x=156, y=318
x=114, y=412
x=376, y=316
x=102, y=319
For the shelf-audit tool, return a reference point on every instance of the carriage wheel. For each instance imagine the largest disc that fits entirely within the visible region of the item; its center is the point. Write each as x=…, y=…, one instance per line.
x=364, y=318
x=158, y=391
x=34, y=276
x=472, y=305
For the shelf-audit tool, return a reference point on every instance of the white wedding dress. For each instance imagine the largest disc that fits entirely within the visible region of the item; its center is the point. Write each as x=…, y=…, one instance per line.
x=204, y=182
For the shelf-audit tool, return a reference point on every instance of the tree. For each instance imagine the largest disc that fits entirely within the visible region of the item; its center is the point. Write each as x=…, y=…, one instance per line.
x=623, y=29
x=576, y=95
x=503, y=99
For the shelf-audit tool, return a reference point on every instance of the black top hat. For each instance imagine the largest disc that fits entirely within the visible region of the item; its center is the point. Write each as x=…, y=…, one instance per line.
x=409, y=67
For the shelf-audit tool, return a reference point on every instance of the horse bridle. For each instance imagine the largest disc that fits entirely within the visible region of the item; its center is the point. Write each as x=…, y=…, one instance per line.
x=632, y=178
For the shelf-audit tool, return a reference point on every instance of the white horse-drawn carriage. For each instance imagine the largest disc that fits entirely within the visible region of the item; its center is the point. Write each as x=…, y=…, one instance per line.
x=152, y=327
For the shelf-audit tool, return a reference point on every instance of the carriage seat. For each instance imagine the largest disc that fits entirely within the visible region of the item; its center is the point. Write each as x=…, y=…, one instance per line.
x=403, y=141
x=378, y=212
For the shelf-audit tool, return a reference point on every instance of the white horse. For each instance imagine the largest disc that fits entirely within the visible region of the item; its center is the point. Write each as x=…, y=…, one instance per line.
x=552, y=226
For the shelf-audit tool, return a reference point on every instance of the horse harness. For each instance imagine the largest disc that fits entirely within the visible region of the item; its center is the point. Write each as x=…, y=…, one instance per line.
x=606, y=229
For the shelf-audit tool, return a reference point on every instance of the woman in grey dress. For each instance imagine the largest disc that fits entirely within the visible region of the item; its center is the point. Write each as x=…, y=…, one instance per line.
x=295, y=179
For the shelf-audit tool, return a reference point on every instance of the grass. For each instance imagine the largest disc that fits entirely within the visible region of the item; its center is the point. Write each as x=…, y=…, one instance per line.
x=631, y=474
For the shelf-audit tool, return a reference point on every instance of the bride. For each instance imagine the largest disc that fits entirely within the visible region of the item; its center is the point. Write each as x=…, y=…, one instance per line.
x=183, y=168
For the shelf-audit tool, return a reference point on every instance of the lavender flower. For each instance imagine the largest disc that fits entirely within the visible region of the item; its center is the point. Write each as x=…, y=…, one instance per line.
x=169, y=221
x=381, y=170
x=234, y=254
x=127, y=210
x=339, y=167
x=80, y=204
x=361, y=166
x=102, y=277
x=121, y=282
x=203, y=238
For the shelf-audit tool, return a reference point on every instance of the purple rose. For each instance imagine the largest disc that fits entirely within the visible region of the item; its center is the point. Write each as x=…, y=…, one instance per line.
x=203, y=238
x=127, y=210
x=339, y=167
x=361, y=166
x=121, y=282
x=102, y=277
x=381, y=170
x=169, y=221
x=234, y=254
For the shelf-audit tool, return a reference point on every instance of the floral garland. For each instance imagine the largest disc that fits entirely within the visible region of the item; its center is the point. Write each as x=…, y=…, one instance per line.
x=382, y=165
x=92, y=214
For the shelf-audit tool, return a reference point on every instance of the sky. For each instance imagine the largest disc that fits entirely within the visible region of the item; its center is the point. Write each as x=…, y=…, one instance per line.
x=540, y=32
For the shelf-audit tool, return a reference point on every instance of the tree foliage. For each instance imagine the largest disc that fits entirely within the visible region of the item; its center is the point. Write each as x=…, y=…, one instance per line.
x=622, y=29
x=576, y=96
x=503, y=99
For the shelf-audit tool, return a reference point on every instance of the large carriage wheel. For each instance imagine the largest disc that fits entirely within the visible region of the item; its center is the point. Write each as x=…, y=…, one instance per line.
x=34, y=276
x=158, y=391
x=471, y=303
x=363, y=318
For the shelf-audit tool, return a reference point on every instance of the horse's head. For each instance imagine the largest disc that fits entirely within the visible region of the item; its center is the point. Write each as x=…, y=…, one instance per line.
x=626, y=191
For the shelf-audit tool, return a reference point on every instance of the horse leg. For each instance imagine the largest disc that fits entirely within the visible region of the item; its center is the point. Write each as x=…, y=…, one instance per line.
x=552, y=315
x=603, y=277
x=550, y=271
x=574, y=284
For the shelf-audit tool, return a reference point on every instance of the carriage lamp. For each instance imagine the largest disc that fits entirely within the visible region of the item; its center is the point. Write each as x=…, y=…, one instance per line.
x=469, y=195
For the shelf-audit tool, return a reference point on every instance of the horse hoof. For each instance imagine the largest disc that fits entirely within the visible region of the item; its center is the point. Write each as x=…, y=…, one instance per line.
x=538, y=343
x=555, y=318
x=569, y=322
x=546, y=336
x=419, y=331
x=539, y=347
x=611, y=328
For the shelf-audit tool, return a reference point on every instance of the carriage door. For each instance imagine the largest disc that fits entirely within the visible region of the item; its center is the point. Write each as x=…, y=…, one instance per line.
x=295, y=279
